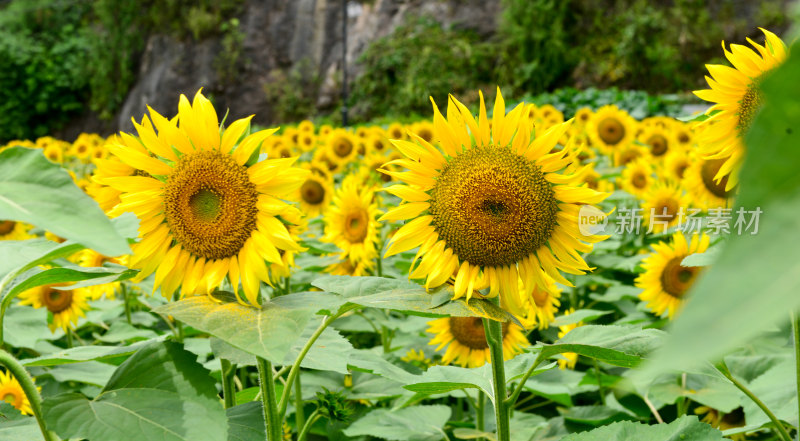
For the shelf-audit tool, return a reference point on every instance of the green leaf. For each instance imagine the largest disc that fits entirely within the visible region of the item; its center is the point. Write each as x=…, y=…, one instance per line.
x=22, y=255
x=98, y=275
x=122, y=331
x=581, y=315
x=29, y=327
x=702, y=259
x=754, y=284
x=246, y=422
x=777, y=389
x=414, y=423
x=90, y=372
x=594, y=415
x=86, y=353
x=406, y=296
x=16, y=427
x=39, y=192
x=685, y=428
x=160, y=392
x=618, y=345
x=269, y=331
x=329, y=353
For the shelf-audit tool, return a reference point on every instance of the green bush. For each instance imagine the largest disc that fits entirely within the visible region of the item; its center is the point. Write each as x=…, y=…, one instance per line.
x=420, y=59
x=43, y=55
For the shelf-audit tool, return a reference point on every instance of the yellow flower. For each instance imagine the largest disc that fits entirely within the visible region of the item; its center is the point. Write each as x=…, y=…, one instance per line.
x=315, y=195
x=541, y=305
x=348, y=268
x=341, y=147
x=637, y=177
x=350, y=222
x=583, y=115
x=708, y=192
x=723, y=421
x=11, y=392
x=54, y=153
x=611, y=128
x=297, y=225
x=676, y=163
x=91, y=258
x=665, y=281
x=661, y=204
x=466, y=341
x=66, y=305
x=490, y=208
x=659, y=141
x=736, y=94
x=207, y=209
x=13, y=230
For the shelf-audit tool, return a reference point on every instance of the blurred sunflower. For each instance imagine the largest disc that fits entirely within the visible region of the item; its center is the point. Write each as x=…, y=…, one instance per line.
x=91, y=258
x=665, y=281
x=11, y=392
x=13, y=230
x=54, y=153
x=626, y=154
x=396, y=131
x=210, y=210
x=541, y=305
x=490, y=208
x=723, y=421
x=736, y=94
x=296, y=225
x=683, y=134
x=658, y=139
x=583, y=115
x=306, y=126
x=707, y=191
x=611, y=128
x=350, y=222
x=341, y=147
x=676, y=163
x=314, y=195
x=466, y=340
x=569, y=358
x=637, y=177
x=423, y=129
x=347, y=268
x=661, y=204
x=66, y=305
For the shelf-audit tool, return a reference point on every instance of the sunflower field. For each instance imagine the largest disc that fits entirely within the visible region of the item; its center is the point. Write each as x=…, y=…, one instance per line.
x=508, y=271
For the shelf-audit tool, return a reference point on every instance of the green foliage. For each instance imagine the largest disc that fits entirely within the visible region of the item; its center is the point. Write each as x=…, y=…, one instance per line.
x=229, y=58
x=638, y=103
x=43, y=54
x=293, y=93
x=418, y=60
x=334, y=405
x=685, y=428
x=414, y=423
x=753, y=283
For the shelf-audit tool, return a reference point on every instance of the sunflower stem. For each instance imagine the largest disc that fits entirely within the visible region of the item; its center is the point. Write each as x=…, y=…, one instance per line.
x=228, y=371
x=299, y=415
x=69, y=338
x=479, y=412
x=521, y=385
x=379, y=264
x=126, y=300
x=599, y=383
x=315, y=415
x=26, y=382
x=494, y=337
x=268, y=399
x=723, y=369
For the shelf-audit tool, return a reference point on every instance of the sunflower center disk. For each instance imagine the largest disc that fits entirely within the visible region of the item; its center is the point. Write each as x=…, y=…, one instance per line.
x=710, y=169
x=6, y=227
x=639, y=180
x=210, y=204
x=57, y=300
x=677, y=279
x=342, y=147
x=611, y=130
x=312, y=192
x=749, y=106
x=493, y=207
x=10, y=398
x=469, y=331
x=356, y=223
x=667, y=209
x=658, y=145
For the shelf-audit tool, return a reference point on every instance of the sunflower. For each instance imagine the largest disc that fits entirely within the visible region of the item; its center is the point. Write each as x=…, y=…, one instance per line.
x=307, y=141
x=592, y=179
x=611, y=128
x=707, y=191
x=396, y=131
x=569, y=358
x=54, y=153
x=736, y=94
x=723, y=421
x=66, y=305
x=341, y=147
x=659, y=141
x=583, y=115
x=209, y=210
x=306, y=126
x=356, y=269
x=11, y=392
x=13, y=230
x=683, y=134
x=637, y=177
x=661, y=204
x=626, y=154
x=665, y=281
x=314, y=195
x=541, y=305
x=490, y=208
x=676, y=163
x=424, y=130
x=91, y=258
x=350, y=221
x=297, y=225
x=466, y=341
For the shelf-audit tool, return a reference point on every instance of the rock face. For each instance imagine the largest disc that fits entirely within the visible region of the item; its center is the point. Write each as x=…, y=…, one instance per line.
x=279, y=36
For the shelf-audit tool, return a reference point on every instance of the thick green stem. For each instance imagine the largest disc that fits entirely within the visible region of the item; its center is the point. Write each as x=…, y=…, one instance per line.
x=796, y=332
x=778, y=425
x=494, y=337
x=227, y=372
x=127, y=301
x=379, y=265
x=479, y=412
x=299, y=415
x=271, y=420
x=307, y=426
x=26, y=382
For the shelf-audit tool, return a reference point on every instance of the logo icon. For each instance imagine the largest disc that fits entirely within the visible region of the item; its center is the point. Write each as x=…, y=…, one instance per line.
x=591, y=220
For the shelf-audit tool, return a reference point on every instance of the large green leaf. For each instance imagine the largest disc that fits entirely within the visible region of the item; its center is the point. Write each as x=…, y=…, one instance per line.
x=159, y=393
x=754, y=283
x=614, y=344
x=39, y=192
x=685, y=428
x=16, y=427
x=71, y=274
x=414, y=423
x=403, y=295
x=269, y=331
x=86, y=353
x=777, y=389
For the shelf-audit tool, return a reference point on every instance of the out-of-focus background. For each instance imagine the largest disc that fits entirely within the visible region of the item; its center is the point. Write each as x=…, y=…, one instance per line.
x=72, y=66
